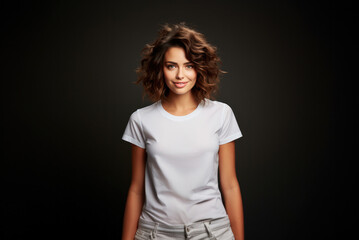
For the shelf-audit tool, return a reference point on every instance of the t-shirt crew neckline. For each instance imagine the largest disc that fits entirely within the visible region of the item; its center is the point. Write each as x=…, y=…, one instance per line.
x=179, y=118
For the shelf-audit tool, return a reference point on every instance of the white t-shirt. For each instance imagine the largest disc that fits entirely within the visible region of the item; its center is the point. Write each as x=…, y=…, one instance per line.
x=181, y=176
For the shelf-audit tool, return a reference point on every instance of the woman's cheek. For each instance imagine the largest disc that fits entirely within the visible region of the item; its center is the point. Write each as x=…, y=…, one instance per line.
x=192, y=75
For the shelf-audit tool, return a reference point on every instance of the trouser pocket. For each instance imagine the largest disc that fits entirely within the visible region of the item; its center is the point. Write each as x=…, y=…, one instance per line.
x=144, y=234
x=222, y=233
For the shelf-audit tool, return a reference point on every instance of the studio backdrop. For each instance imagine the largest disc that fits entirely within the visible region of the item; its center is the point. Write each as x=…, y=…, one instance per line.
x=68, y=73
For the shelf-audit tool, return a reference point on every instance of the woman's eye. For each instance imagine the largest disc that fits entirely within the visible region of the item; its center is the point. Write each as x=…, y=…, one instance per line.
x=190, y=66
x=170, y=66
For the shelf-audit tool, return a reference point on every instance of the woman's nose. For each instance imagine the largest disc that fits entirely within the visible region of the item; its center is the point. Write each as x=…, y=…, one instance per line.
x=179, y=74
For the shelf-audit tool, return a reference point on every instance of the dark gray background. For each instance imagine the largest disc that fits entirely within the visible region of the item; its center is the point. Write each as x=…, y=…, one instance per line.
x=68, y=69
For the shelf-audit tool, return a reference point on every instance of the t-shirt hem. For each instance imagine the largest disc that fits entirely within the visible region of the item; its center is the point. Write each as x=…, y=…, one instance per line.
x=231, y=138
x=147, y=216
x=133, y=141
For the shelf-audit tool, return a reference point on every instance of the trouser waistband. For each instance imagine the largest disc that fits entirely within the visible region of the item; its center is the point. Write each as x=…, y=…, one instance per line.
x=185, y=228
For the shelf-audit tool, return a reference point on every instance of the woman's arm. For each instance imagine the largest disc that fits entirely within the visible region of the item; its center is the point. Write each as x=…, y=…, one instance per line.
x=230, y=189
x=136, y=193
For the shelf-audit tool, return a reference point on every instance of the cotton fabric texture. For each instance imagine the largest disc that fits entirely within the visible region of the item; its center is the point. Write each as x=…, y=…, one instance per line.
x=181, y=176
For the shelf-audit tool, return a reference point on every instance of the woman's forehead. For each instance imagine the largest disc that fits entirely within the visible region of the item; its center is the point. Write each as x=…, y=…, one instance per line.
x=176, y=55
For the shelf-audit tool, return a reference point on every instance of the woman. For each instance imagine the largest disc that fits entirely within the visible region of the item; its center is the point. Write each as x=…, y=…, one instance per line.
x=178, y=144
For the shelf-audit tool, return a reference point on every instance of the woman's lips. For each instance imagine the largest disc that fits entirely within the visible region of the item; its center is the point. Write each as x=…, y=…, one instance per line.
x=180, y=84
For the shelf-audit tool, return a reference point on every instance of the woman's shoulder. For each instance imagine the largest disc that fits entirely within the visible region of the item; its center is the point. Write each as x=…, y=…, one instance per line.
x=216, y=104
x=149, y=107
x=145, y=110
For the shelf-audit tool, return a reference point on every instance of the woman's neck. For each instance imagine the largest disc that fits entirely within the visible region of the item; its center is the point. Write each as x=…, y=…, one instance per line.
x=180, y=104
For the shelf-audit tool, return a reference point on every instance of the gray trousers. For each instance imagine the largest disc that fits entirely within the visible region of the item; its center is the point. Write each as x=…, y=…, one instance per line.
x=219, y=229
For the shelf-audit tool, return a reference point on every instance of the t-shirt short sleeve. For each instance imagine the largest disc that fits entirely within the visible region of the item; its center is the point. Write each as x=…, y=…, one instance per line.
x=229, y=129
x=133, y=132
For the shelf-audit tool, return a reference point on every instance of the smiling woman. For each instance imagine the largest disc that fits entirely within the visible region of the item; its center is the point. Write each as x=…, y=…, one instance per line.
x=179, y=74
x=178, y=145
x=200, y=55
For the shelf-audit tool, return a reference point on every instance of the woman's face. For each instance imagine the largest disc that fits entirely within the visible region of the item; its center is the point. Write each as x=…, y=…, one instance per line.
x=179, y=73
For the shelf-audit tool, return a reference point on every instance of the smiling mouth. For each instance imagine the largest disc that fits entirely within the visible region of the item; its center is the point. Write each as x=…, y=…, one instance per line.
x=180, y=84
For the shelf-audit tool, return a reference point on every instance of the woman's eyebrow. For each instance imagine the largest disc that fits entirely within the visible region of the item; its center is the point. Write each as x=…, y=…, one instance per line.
x=177, y=63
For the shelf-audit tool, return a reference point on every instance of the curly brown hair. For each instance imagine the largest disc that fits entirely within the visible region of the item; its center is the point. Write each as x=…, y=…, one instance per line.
x=198, y=51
